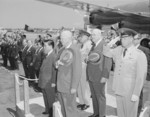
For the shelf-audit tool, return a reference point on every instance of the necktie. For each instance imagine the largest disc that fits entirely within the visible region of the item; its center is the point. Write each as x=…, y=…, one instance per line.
x=124, y=52
x=93, y=46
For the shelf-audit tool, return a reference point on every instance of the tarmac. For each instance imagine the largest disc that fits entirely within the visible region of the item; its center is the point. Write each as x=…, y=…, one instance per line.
x=7, y=96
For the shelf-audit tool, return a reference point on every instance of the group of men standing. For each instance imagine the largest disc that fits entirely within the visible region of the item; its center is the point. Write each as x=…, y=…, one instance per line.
x=69, y=73
x=9, y=51
x=80, y=68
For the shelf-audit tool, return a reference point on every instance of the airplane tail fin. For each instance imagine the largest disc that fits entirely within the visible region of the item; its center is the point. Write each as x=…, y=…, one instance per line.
x=28, y=29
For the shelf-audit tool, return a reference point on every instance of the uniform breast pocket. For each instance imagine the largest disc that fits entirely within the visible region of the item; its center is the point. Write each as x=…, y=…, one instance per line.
x=130, y=64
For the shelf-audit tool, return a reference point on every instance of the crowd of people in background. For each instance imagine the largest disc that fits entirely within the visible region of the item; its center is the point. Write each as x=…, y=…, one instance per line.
x=77, y=63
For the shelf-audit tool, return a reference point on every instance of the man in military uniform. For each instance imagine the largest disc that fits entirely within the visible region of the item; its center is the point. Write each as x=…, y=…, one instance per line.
x=37, y=62
x=29, y=59
x=83, y=92
x=129, y=75
x=38, y=58
x=4, y=50
x=15, y=55
x=24, y=60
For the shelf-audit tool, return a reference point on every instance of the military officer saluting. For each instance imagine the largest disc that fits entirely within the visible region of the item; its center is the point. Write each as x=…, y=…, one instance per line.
x=129, y=75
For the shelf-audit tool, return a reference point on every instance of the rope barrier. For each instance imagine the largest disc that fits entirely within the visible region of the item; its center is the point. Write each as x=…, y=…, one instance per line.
x=24, y=78
x=17, y=79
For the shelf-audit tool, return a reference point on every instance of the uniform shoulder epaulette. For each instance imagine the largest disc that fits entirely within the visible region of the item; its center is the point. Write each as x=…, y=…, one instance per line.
x=139, y=51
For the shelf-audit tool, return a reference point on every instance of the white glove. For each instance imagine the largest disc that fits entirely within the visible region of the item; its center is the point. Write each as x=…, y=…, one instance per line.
x=103, y=80
x=53, y=85
x=113, y=41
x=73, y=91
x=134, y=98
x=58, y=63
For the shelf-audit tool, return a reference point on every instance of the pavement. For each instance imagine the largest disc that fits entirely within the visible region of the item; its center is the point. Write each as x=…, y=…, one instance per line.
x=7, y=96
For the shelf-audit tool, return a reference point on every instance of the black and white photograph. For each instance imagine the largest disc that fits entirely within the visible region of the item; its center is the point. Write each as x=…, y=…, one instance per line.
x=74, y=58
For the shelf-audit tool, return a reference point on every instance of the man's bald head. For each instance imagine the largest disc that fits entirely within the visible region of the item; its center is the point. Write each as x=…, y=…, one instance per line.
x=96, y=35
x=97, y=31
x=66, y=37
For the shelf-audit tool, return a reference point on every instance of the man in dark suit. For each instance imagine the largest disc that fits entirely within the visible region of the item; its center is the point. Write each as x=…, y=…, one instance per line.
x=137, y=42
x=69, y=74
x=24, y=61
x=15, y=55
x=47, y=77
x=38, y=58
x=97, y=74
x=29, y=58
x=37, y=62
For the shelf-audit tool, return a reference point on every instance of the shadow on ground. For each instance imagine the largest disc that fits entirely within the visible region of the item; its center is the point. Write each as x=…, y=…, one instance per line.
x=12, y=112
x=111, y=111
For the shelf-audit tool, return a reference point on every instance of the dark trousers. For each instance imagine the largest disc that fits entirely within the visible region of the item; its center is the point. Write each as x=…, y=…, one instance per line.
x=15, y=63
x=69, y=105
x=49, y=98
x=10, y=61
x=20, y=55
x=25, y=69
x=5, y=59
x=98, y=98
x=31, y=72
x=37, y=73
x=140, y=103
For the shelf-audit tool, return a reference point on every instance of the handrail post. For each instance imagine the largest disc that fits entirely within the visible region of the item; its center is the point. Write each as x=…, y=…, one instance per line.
x=26, y=97
x=17, y=89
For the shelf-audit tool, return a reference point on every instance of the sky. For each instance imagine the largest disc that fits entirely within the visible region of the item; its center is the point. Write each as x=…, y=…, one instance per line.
x=17, y=13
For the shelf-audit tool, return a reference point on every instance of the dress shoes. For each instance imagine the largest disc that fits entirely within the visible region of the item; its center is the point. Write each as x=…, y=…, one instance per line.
x=83, y=106
x=45, y=113
x=94, y=115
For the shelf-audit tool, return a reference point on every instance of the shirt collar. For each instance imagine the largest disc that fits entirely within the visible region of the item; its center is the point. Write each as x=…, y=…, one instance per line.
x=130, y=48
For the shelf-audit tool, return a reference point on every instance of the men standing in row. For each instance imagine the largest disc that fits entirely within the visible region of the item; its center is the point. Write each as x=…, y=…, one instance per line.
x=129, y=75
x=98, y=73
x=47, y=77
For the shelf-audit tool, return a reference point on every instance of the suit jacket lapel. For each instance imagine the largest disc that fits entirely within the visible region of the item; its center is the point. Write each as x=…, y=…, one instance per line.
x=99, y=45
